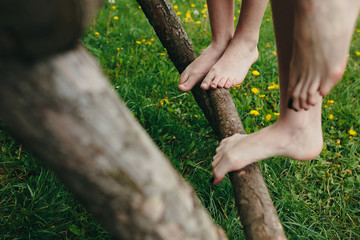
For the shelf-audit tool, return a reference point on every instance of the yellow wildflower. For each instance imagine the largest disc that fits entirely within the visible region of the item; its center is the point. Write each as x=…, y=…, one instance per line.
x=203, y=11
x=204, y=15
x=268, y=19
x=357, y=53
x=207, y=136
x=331, y=117
x=176, y=7
x=113, y=7
x=118, y=49
x=330, y=101
x=262, y=96
x=143, y=40
x=254, y=112
x=196, y=116
x=116, y=18
x=163, y=54
x=275, y=86
x=268, y=45
x=352, y=132
x=277, y=114
x=268, y=117
x=255, y=90
x=205, y=5
x=96, y=33
x=325, y=106
x=178, y=13
x=234, y=18
x=198, y=22
x=138, y=42
x=192, y=5
x=166, y=100
x=274, y=53
x=152, y=39
x=139, y=7
x=358, y=31
x=255, y=73
x=338, y=142
x=162, y=102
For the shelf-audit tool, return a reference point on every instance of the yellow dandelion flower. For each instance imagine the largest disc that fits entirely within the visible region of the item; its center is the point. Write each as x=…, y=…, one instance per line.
x=152, y=39
x=234, y=18
x=139, y=7
x=96, y=33
x=330, y=101
x=255, y=73
x=203, y=11
x=277, y=114
x=352, y=132
x=268, y=19
x=204, y=16
x=138, y=42
x=118, y=49
x=166, y=100
x=116, y=18
x=325, y=106
x=357, y=53
x=113, y=7
x=198, y=22
x=162, y=102
x=143, y=40
x=205, y=5
x=331, y=117
x=254, y=112
x=192, y=5
x=268, y=45
x=358, y=30
x=196, y=116
x=255, y=90
x=262, y=96
x=175, y=7
x=268, y=117
x=239, y=11
x=163, y=54
x=338, y=142
x=178, y=13
x=148, y=43
x=273, y=52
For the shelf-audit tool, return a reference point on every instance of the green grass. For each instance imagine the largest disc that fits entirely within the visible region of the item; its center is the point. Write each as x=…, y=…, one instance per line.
x=319, y=199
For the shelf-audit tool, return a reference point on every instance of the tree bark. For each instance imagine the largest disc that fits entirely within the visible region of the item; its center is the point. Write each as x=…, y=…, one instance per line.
x=35, y=28
x=66, y=112
x=256, y=210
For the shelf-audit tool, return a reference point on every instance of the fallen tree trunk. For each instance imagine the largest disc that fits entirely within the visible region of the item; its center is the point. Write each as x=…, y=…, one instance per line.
x=256, y=210
x=66, y=112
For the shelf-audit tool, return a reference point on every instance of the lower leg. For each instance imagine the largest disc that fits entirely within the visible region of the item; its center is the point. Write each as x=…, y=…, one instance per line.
x=296, y=135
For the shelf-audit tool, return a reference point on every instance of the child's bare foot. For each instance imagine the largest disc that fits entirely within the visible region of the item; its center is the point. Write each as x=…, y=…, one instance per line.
x=233, y=65
x=298, y=137
x=198, y=69
x=322, y=35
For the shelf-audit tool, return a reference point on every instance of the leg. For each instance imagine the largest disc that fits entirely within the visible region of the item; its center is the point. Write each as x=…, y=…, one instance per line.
x=296, y=134
x=242, y=51
x=323, y=30
x=221, y=15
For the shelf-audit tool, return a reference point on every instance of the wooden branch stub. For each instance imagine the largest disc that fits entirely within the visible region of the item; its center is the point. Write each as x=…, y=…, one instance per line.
x=36, y=28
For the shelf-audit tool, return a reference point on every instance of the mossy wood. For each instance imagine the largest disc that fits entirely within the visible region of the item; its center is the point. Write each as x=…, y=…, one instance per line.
x=256, y=210
x=64, y=110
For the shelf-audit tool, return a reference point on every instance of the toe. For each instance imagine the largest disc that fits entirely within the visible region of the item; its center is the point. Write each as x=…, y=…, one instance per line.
x=208, y=80
x=222, y=82
x=215, y=82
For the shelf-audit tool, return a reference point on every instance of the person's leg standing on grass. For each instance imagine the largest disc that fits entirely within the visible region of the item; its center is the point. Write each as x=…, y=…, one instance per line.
x=226, y=61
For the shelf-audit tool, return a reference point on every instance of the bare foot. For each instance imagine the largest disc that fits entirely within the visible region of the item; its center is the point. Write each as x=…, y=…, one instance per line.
x=233, y=66
x=322, y=36
x=300, y=140
x=198, y=69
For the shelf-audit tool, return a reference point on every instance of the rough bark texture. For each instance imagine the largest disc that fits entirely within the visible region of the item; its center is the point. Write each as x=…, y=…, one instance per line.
x=66, y=112
x=255, y=207
x=36, y=28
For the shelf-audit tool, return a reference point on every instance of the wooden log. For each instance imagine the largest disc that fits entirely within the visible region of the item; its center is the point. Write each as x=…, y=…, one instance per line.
x=256, y=210
x=31, y=29
x=66, y=112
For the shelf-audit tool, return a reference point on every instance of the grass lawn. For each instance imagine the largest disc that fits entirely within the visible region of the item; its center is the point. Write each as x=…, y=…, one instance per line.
x=319, y=199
